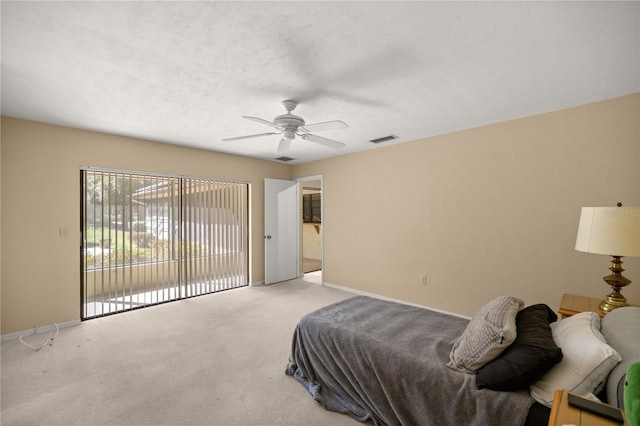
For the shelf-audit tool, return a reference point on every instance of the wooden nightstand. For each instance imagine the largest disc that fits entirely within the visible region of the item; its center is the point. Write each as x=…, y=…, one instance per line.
x=572, y=304
x=563, y=414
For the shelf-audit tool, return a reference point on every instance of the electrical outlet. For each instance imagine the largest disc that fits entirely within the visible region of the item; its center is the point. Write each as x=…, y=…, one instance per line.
x=423, y=279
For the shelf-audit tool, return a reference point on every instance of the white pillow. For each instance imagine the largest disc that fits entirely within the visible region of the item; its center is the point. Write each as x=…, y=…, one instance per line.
x=586, y=362
x=491, y=330
x=620, y=328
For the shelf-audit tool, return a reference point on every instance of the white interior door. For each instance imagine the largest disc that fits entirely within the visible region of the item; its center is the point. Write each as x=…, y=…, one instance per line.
x=281, y=225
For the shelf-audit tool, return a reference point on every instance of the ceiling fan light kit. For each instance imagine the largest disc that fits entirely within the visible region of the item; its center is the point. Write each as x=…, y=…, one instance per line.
x=290, y=125
x=284, y=145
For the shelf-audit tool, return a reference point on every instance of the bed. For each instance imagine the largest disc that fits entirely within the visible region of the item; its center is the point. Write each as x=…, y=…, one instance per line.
x=391, y=364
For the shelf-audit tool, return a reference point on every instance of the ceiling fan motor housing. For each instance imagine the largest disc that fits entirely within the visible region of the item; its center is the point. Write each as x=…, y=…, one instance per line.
x=288, y=120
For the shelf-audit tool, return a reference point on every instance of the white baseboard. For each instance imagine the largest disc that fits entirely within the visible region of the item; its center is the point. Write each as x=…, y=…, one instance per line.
x=46, y=328
x=389, y=299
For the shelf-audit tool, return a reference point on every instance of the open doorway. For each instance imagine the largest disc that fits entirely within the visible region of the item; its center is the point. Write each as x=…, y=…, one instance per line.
x=311, y=234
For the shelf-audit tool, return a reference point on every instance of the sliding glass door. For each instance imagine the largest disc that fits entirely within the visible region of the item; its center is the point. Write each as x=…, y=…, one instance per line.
x=152, y=239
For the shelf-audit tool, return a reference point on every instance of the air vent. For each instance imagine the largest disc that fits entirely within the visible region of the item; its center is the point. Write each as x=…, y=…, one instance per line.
x=285, y=158
x=384, y=139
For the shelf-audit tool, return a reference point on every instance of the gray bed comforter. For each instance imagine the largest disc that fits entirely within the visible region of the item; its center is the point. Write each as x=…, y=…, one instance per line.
x=386, y=362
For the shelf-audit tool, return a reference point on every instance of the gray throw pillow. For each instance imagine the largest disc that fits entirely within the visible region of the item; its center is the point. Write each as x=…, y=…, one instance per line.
x=620, y=329
x=491, y=330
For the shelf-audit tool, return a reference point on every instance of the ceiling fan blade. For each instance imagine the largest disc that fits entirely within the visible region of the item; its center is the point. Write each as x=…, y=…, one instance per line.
x=327, y=125
x=250, y=136
x=261, y=121
x=322, y=140
x=284, y=145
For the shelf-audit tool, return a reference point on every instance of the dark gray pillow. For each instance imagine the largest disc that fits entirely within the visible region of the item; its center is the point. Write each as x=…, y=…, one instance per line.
x=532, y=354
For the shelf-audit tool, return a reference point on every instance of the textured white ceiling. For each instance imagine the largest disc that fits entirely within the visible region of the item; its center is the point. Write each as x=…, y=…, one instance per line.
x=186, y=72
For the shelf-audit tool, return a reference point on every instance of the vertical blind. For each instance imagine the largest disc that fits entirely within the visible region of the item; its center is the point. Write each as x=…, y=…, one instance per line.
x=152, y=239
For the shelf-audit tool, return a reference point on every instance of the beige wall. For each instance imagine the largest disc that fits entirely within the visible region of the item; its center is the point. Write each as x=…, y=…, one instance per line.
x=483, y=212
x=312, y=241
x=41, y=193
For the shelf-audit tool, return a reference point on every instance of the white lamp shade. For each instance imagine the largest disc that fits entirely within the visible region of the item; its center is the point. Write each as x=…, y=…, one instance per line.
x=609, y=230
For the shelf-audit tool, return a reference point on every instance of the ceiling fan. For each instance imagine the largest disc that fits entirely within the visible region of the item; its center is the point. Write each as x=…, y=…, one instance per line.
x=290, y=125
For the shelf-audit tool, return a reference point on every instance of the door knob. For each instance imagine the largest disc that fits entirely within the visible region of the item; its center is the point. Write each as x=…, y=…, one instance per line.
x=267, y=237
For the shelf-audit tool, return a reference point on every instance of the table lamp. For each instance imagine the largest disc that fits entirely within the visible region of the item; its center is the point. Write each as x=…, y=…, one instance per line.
x=614, y=231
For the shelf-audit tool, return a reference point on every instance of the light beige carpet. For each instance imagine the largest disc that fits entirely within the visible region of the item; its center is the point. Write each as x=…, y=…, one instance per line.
x=212, y=360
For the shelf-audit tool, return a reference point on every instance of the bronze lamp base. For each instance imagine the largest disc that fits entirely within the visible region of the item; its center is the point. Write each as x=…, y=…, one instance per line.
x=616, y=280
